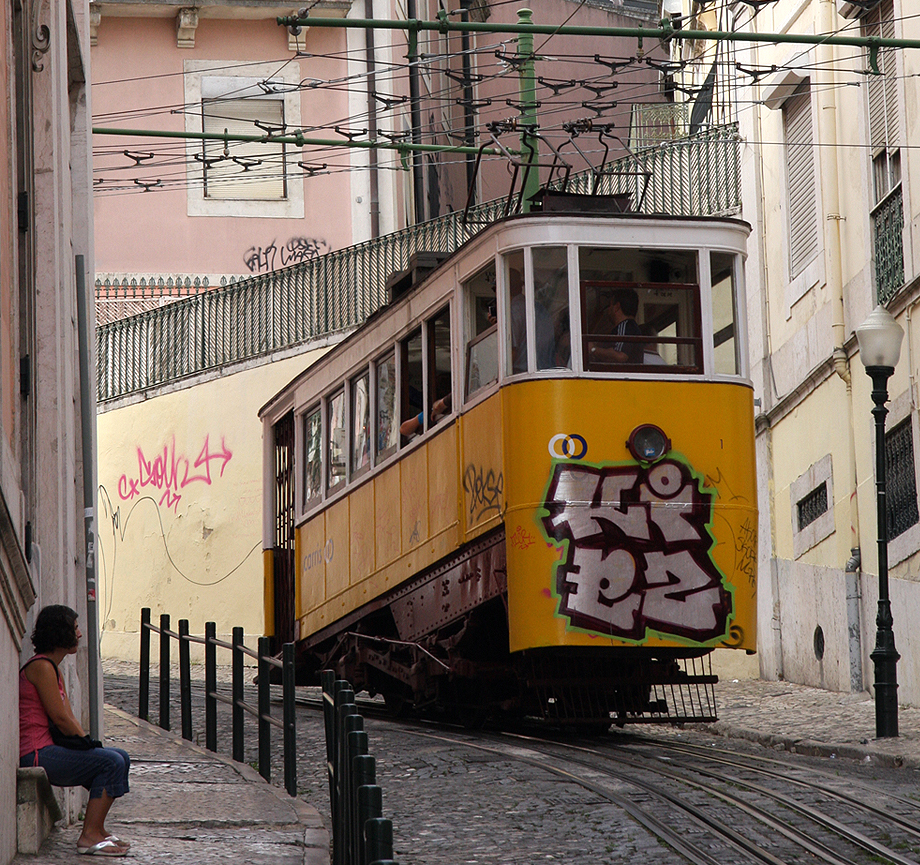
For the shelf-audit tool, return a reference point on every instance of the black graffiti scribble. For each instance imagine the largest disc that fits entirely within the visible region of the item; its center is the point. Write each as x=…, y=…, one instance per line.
x=746, y=547
x=261, y=259
x=484, y=489
x=299, y=249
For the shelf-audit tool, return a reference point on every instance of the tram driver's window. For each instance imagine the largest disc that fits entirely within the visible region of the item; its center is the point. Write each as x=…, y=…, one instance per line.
x=336, y=443
x=725, y=346
x=313, y=457
x=640, y=310
x=481, y=330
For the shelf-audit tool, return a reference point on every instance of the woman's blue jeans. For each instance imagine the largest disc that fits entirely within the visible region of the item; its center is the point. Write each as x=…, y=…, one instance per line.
x=98, y=770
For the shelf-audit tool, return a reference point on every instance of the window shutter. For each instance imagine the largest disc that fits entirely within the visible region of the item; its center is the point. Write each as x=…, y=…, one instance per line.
x=259, y=174
x=800, y=177
x=883, y=92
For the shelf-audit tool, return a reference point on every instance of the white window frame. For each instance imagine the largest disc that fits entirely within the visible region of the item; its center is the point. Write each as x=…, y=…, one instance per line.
x=212, y=79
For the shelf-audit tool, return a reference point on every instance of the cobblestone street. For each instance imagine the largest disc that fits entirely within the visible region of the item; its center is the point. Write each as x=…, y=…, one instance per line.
x=452, y=800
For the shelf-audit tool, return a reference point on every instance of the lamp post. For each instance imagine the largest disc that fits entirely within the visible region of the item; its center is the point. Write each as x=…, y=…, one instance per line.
x=879, y=339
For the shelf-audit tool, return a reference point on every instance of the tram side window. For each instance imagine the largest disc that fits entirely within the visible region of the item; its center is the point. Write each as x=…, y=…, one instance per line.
x=551, y=308
x=413, y=388
x=360, y=420
x=481, y=330
x=439, y=377
x=335, y=411
x=387, y=425
x=640, y=309
x=724, y=314
x=313, y=456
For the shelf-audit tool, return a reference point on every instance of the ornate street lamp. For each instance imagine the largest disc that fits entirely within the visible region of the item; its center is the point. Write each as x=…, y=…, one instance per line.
x=879, y=339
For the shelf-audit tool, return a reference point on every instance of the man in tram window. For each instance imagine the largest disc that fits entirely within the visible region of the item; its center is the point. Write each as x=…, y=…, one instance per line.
x=416, y=425
x=621, y=315
x=545, y=331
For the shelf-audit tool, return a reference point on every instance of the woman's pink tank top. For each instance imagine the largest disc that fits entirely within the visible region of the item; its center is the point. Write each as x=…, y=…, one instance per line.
x=33, y=719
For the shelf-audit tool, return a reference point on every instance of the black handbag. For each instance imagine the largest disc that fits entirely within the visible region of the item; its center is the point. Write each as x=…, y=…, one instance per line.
x=75, y=743
x=67, y=740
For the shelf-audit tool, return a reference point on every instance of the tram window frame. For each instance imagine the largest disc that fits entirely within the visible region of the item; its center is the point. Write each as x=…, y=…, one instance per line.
x=730, y=332
x=334, y=486
x=591, y=341
x=382, y=453
x=356, y=469
x=407, y=410
x=310, y=501
x=435, y=372
x=479, y=307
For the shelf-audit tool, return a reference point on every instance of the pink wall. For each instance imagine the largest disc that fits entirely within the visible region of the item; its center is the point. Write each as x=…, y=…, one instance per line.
x=138, y=83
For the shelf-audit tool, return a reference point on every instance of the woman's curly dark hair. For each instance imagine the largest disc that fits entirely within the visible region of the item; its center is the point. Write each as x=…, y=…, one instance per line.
x=55, y=628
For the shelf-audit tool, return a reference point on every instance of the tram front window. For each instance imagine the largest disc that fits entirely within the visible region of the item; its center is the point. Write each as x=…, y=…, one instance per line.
x=551, y=307
x=725, y=347
x=482, y=333
x=640, y=309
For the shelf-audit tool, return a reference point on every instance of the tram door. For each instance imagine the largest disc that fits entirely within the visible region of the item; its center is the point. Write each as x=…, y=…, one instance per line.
x=284, y=531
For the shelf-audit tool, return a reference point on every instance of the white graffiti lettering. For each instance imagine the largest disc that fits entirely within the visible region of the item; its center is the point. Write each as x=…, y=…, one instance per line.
x=638, y=553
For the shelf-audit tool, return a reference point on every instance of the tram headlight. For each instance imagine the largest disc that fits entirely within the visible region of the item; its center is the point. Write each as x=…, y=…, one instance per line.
x=648, y=443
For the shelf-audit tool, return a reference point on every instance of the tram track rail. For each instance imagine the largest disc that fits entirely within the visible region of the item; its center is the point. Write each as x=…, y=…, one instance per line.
x=674, y=797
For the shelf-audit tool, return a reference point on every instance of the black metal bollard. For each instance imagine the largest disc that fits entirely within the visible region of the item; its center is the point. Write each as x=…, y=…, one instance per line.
x=378, y=834
x=328, y=680
x=289, y=717
x=355, y=746
x=143, y=686
x=185, y=680
x=370, y=806
x=164, y=671
x=210, y=686
x=344, y=706
x=265, y=708
x=237, y=641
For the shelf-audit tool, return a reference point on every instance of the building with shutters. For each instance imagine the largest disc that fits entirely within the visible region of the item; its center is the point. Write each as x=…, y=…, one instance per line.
x=46, y=261
x=834, y=195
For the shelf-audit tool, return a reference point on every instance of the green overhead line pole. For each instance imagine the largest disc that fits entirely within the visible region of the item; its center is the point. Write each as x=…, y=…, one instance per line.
x=529, y=141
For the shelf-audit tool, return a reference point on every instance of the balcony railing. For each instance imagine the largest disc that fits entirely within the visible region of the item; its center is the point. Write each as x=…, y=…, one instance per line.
x=256, y=317
x=888, y=231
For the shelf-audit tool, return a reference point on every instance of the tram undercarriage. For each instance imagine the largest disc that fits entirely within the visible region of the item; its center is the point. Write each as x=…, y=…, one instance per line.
x=438, y=645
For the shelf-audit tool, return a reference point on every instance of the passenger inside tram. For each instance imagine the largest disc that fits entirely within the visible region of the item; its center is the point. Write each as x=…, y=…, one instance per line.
x=619, y=319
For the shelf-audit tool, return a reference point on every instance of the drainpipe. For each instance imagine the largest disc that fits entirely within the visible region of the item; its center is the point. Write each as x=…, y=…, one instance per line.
x=830, y=190
x=372, y=121
x=88, y=429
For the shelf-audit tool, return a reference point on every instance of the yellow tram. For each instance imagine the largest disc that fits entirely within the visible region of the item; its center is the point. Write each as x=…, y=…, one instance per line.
x=527, y=483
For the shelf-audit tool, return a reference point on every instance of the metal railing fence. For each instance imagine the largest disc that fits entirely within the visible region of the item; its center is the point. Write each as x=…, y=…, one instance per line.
x=262, y=712
x=360, y=835
x=698, y=176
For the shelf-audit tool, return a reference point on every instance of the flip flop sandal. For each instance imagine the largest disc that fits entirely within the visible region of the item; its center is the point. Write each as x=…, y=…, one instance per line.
x=103, y=848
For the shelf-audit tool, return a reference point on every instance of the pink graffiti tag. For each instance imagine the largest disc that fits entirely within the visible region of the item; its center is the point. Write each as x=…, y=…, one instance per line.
x=170, y=472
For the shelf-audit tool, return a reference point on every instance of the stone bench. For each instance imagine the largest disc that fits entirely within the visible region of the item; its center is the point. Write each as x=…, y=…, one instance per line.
x=37, y=808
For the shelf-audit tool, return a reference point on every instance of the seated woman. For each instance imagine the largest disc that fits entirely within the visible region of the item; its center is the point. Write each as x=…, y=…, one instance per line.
x=43, y=702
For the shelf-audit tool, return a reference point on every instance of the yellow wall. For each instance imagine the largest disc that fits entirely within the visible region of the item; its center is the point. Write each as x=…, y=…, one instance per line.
x=180, y=507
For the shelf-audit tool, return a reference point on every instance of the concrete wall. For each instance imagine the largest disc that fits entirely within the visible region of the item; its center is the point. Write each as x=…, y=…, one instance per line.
x=180, y=506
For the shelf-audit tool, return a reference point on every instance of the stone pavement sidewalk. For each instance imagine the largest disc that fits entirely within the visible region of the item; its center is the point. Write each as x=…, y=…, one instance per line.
x=813, y=721
x=188, y=805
